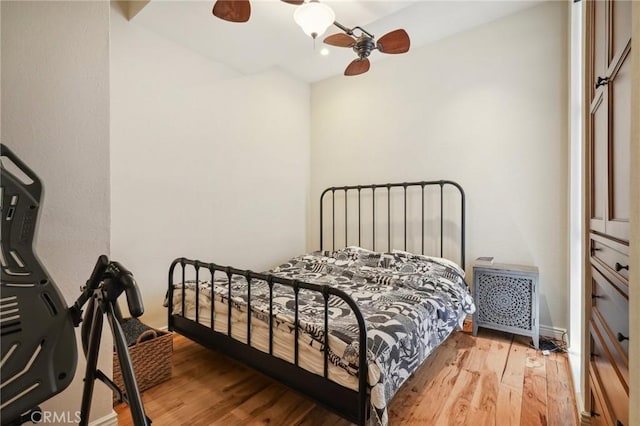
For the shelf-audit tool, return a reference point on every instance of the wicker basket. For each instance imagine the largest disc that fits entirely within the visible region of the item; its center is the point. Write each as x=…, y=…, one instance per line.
x=151, y=359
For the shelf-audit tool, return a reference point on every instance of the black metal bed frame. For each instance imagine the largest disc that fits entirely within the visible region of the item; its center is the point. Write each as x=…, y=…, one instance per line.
x=350, y=404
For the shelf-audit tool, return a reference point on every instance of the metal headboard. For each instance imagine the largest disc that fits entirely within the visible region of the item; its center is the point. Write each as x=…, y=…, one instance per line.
x=361, y=190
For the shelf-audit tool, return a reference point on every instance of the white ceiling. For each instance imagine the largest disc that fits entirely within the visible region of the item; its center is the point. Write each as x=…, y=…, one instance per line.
x=272, y=39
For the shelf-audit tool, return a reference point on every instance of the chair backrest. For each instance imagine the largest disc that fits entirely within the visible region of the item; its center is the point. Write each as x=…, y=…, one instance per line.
x=38, y=345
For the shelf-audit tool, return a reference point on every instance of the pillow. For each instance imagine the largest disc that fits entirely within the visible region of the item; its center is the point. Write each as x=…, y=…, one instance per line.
x=439, y=260
x=356, y=256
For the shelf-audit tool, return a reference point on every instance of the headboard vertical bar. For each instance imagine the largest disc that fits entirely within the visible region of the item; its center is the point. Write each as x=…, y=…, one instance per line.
x=422, y=222
x=346, y=221
x=321, y=220
x=389, y=218
x=405, y=217
x=333, y=218
x=359, y=223
x=183, y=289
x=462, y=226
x=373, y=199
x=441, y=218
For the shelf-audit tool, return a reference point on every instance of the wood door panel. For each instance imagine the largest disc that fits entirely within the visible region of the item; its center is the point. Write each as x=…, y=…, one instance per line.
x=599, y=163
x=600, y=51
x=620, y=12
x=619, y=151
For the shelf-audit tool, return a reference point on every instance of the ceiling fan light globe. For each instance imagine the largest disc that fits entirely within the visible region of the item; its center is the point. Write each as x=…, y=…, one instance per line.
x=314, y=18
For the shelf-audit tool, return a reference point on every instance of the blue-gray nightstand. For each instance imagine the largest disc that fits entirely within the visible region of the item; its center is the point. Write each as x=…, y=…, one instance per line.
x=506, y=298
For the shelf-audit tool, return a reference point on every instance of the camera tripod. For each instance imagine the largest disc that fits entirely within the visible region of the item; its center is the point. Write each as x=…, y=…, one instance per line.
x=107, y=282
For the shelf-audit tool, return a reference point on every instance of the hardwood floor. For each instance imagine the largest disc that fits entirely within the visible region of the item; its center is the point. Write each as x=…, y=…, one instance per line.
x=492, y=379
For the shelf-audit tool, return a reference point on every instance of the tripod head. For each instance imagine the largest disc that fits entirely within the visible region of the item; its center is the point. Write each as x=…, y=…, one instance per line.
x=118, y=279
x=113, y=279
x=107, y=282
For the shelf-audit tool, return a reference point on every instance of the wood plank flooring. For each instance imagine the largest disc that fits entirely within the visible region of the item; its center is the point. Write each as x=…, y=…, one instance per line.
x=492, y=379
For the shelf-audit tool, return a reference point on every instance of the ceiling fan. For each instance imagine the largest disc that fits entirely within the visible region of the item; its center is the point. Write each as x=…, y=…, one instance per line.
x=363, y=43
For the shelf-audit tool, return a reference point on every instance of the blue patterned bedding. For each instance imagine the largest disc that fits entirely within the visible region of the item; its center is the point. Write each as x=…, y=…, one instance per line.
x=410, y=303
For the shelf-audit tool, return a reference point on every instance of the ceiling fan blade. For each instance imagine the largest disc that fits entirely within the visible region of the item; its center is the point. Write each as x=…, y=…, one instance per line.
x=358, y=66
x=232, y=10
x=394, y=42
x=340, y=40
x=296, y=2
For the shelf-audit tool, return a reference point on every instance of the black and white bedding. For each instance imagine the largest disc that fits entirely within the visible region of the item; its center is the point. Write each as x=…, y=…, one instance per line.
x=411, y=304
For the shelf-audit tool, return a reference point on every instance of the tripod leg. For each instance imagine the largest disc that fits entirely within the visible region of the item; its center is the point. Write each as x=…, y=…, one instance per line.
x=128, y=375
x=92, y=361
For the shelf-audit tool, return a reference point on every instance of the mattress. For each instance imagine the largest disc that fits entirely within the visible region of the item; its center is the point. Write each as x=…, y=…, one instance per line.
x=411, y=304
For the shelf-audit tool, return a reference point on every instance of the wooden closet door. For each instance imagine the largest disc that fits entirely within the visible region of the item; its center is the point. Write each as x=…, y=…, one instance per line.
x=610, y=117
x=619, y=112
x=608, y=141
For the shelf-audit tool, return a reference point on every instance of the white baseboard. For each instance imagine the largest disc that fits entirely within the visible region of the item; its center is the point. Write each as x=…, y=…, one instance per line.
x=108, y=420
x=555, y=333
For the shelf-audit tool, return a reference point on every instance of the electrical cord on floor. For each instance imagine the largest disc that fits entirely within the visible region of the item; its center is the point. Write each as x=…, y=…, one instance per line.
x=552, y=345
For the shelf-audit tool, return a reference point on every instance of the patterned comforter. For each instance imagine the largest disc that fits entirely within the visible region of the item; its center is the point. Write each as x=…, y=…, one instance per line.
x=410, y=303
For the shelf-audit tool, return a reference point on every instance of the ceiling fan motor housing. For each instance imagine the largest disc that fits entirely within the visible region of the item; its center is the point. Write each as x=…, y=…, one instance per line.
x=364, y=46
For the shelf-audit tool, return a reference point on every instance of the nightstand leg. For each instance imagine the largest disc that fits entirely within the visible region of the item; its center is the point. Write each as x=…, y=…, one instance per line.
x=475, y=324
x=536, y=342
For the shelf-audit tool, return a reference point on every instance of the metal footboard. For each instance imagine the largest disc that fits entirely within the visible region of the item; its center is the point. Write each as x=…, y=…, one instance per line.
x=350, y=404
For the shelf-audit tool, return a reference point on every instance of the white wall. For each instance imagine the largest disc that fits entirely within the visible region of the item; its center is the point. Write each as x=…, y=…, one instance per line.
x=486, y=108
x=205, y=163
x=55, y=117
